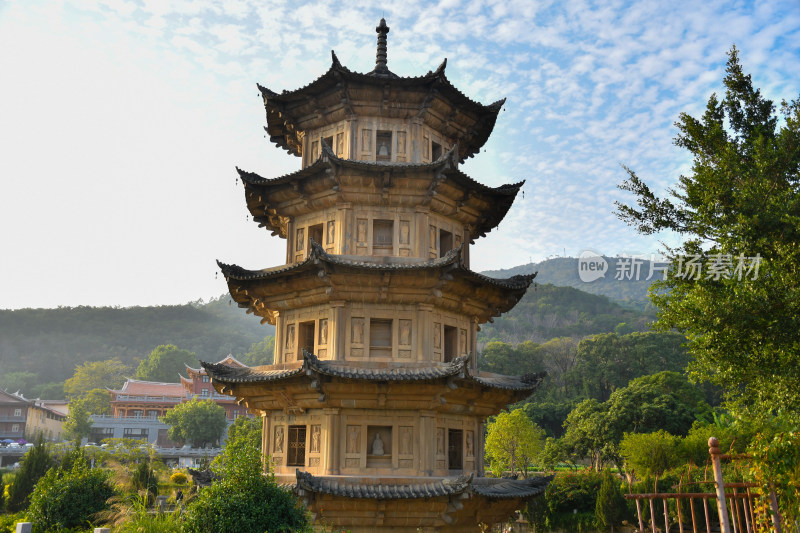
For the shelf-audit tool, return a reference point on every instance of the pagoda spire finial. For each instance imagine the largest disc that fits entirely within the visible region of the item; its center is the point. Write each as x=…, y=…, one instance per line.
x=380, y=57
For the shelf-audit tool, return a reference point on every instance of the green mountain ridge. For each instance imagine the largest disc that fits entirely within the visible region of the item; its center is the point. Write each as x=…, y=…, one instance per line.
x=50, y=343
x=625, y=280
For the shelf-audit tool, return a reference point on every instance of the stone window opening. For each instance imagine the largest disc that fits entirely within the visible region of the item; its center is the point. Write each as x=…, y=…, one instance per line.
x=383, y=146
x=314, y=233
x=380, y=337
x=329, y=142
x=307, y=336
x=450, y=343
x=445, y=242
x=455, y=449
x=436, y=151
x=383, y=234
x=297, y=446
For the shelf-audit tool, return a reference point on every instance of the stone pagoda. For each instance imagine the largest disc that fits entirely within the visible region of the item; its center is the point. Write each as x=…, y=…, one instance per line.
x=374, y=408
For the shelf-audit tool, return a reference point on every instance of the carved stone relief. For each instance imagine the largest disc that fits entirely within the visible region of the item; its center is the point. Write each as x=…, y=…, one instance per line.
x=404, y=232
x=278, y=445
x=462, y=342
x=339, y=144
x=440, y=441
x=405, y=332
x=437, y=335
x=361, y=231
x=366, y=140
x=406, y=437
x=358, y=331
x=300, y=240
x=401, y=142
x=470, y=444
x=290, y=336
x=433, y=236
x=316, y=432
x=323, y=331
x=331, y=232
x=353, y=439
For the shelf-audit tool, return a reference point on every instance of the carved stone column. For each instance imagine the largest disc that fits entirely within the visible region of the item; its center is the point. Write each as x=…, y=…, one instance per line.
x=424, y=326
x=427, y=442
x=331, y=456
x=337, y=330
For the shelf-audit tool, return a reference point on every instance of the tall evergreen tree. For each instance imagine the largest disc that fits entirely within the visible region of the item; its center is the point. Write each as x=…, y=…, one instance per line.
x=734, y=286
x=34, y=465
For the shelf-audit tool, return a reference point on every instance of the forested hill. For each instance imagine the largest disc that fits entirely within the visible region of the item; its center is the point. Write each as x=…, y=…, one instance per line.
x=631, y=290
x=547, y=311
x=52, y=342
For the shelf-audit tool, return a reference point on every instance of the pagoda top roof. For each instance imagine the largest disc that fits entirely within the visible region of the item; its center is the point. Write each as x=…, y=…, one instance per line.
x=344, y=93
x=492, y=488
x=332, y=180
x=311, y=365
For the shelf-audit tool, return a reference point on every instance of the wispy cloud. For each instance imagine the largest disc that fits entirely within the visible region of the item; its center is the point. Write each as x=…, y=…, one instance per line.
x=123, y=120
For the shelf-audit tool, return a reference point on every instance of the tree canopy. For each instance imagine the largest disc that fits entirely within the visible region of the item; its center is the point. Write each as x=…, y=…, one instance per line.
x=165, y=364
x=91, y=375
x=738, y=210
x=513, y=442
x=198, y=422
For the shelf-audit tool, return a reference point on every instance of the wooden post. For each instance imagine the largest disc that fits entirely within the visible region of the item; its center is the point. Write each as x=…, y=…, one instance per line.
x=708, y=516
x=666, y=517
x=652, y=515
x=776, y=513
x=722, y=508
x=639, y=514
x=694, y=520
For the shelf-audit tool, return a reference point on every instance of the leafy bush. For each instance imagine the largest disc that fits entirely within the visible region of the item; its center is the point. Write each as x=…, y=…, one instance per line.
x=244, y=500
x=8, y=522
x=69, y=498
x=568, y=503
x=179, y=478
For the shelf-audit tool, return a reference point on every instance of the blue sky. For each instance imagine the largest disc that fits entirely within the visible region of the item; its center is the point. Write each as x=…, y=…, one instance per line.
x=121, y=122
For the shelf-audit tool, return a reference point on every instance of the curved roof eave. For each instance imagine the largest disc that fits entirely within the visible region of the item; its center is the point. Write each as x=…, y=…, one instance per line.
x=446, y=163
x=458, y=368
x=453, y=257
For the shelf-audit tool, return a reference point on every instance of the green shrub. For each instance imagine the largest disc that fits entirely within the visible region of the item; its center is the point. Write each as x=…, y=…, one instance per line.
x=244, y=500
x=8, y=522
x=568, y=503
x=69, y=498
x=179, y=478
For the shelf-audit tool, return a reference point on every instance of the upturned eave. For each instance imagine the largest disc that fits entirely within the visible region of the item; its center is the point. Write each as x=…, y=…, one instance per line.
x=322, y=278
x=331, y=181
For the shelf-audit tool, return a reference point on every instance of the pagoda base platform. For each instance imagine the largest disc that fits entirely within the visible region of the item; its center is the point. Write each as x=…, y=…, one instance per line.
x=426, y=505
